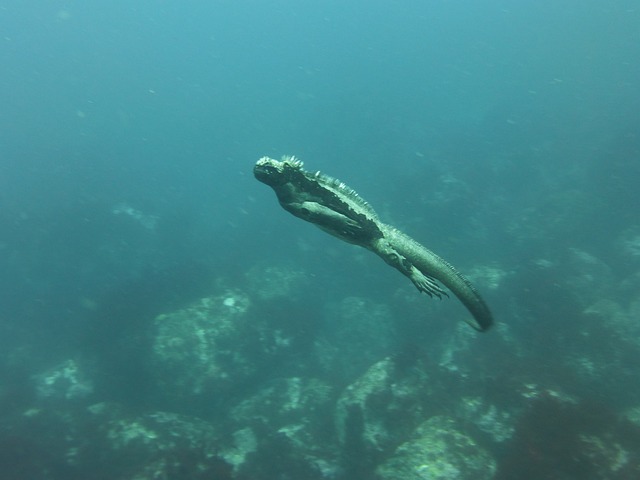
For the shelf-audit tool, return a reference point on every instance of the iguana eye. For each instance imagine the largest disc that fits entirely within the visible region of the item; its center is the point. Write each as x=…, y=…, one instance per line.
x=268, y=174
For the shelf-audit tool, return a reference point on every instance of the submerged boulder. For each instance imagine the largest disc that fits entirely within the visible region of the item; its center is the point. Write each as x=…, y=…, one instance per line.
x=200, y=347
x=285, y=419
x=439, y=450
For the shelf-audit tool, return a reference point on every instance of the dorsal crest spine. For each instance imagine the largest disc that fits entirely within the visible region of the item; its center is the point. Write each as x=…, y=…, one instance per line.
x=342, y=189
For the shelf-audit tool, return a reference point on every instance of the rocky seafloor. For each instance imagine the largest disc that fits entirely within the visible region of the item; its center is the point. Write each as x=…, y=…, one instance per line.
x=257, y=381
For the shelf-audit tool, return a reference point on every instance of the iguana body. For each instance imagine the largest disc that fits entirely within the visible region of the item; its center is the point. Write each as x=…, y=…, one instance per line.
x=340, y=211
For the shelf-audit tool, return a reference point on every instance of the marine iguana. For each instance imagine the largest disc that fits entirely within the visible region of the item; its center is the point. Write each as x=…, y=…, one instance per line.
x=339, y=210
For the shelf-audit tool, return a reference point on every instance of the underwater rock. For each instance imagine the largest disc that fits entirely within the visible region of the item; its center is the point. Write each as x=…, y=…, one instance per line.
x=356, y=332
x=146, y=220
x=490, y=419
x=489, y=277
x=455, y=352
x=622, y=323
x=64, y=381
x=608, y=344
x=360, y=395
x=633, y=415
x=557, y=215
x=378, y=411
x=287, y=418
x=284, y=400
x=102, y=442
x=559, y=437
x=438, y=451
x=244, y=443
x=628, y=244
x=589, y=278
x=198, y=347
x=268, y=282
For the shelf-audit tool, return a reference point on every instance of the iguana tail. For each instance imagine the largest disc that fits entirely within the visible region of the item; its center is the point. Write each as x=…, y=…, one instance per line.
x=432, y=265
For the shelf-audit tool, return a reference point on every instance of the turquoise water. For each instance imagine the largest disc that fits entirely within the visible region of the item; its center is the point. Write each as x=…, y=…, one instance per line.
x=163, y=315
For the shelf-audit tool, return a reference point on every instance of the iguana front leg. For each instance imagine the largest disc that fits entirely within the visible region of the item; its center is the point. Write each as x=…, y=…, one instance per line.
x=327, y=219
x=424, y=283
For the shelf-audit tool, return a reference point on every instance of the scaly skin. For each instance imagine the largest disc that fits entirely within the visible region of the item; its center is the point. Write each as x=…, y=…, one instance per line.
x=340, y=211
x=430, y=264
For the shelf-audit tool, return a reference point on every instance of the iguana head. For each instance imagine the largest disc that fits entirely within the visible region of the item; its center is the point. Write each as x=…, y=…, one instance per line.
x=273, y=172
x=293, y=184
